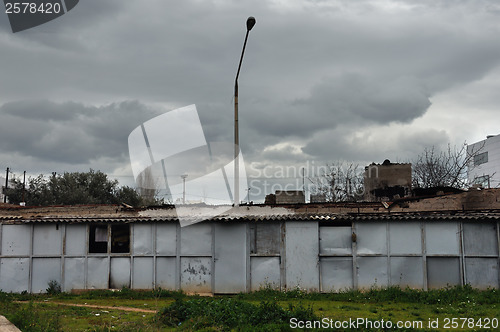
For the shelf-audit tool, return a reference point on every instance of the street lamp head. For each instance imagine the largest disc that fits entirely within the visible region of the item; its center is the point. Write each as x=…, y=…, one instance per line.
x=250, y=23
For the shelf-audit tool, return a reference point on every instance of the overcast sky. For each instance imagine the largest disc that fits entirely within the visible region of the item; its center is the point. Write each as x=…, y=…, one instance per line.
x=321, y=80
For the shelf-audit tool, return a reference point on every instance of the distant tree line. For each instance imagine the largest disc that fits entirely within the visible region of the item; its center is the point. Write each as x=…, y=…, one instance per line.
x=70, y=188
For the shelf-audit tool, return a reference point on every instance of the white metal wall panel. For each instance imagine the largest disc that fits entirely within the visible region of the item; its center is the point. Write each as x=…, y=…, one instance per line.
x=120, y=272
x=407, y=272
x=336, y=273
x=335, y=240
x=480, y=239
x=74, y=274
x=143, y=273
x=230, y=258
x=371, y=238
x=443, y=272
x=405, y=238
x=482, y=273
x=76, y=240
x=442, y=238
x=196, y=274
x=16, y=240
x=97, y=273
x=302, y=250
x=47, y=239
x=143, y=239
x=264, y=272
x=14, y=274
x=44, y=271
x=372, y=272
x=196, y=239
x=166, y=239
x=166, y=274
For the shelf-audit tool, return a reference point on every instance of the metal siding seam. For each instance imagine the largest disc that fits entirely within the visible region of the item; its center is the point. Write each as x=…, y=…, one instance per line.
x=177, y=256
x=30, y=277
x=132, y=254
x=320, y=287
x=86, y=258
x=153, y=239
x=424, y=254
x=354, y=247
x=247, y=256
x=283, y=285
x=388, y=250
x=463, y=274
x=498, y=253
x=63, y=254
x=213, y=257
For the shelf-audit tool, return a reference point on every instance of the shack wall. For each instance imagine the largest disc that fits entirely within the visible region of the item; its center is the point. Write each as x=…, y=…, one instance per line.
x=245, y=256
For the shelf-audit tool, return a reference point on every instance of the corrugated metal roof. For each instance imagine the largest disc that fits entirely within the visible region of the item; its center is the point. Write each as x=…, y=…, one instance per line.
x=322, y=217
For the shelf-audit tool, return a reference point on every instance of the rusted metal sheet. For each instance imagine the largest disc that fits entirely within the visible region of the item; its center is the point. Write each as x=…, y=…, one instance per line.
x=74, y=274
x=196, y=274
x=335, y=240
x=230, y=258
x=442, y=238
x=302, y=260
x=143, y=273
x=443, y=272
x=372, y=272
x=482, y=273
x=371, y=238
x=264, y=272
x=143, y=239
x=196, y=239
x=166, y=239
x=119, y=276
x=16, y=240
x=44, y=271
x=76, y=240
x=480, y=239
x=14, y=274
x=336, y=273
x=405, y=238
x=407, y=272
x=166, y=273
x=47, y=239
x=97, y=273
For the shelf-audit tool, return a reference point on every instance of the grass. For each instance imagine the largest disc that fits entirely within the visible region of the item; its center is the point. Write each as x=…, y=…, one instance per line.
x=264, y=310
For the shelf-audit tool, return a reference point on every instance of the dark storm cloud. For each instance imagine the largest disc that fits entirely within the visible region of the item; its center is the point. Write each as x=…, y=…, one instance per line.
x=314, y=73
x=70, y=133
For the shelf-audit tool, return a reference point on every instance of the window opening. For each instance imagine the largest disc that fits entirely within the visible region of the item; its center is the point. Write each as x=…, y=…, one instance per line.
x=120, y=238
x=98, y=239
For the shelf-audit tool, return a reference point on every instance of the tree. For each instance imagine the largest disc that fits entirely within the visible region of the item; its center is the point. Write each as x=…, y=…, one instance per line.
x=339, y=182
x=434, y=168
x=91, y=187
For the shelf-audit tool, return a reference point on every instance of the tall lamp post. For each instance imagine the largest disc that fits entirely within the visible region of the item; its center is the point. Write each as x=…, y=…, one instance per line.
x=250, y=24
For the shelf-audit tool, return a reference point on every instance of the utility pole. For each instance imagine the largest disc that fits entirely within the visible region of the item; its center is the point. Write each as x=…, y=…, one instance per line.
x=6, y=186
x=24, y=185
x=184, y=176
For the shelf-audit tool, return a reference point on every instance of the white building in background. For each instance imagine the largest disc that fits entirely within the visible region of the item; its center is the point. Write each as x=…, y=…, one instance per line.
x=484, y=167
x=2, y=185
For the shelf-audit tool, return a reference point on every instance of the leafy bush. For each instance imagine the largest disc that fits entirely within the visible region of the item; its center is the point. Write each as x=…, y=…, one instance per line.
x=54, y=287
